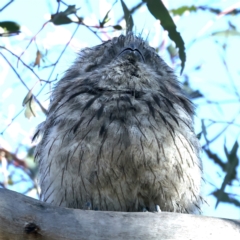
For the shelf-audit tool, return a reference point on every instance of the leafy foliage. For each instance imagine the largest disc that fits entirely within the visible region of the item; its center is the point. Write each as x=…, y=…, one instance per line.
x=66, y=15
x=127, y=16
x=62, y=17
x=160, y=12
x=10, y=28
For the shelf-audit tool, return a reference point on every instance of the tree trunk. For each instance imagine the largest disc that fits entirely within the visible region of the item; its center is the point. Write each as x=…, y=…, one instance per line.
x=22, y=217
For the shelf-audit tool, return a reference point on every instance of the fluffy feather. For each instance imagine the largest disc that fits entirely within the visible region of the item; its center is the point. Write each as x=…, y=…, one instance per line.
x=119, y=134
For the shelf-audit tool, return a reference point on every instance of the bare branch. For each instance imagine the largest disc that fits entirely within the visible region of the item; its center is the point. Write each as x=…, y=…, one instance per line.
x=7, y=4
x=26, y=218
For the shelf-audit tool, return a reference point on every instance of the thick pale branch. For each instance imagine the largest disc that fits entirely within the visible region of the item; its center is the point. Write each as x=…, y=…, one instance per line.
x=22, y=217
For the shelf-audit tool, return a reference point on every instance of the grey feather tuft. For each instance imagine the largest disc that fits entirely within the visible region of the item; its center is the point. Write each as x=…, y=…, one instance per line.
x=119, y=134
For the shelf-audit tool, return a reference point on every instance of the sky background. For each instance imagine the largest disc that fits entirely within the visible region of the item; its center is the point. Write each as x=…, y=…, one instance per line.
x=204, y=35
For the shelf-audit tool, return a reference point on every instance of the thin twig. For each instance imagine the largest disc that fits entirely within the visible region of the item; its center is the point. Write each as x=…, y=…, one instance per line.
x=24, y=84
x=55, y=64
x=27, y=66
x=33, y=38
x=6, y=5
x=221, y=132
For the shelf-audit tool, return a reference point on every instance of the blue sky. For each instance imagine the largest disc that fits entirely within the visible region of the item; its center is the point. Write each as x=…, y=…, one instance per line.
x=213, y=80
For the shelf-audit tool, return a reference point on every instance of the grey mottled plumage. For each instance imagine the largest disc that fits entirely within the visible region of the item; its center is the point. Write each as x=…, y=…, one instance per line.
x=119, y=134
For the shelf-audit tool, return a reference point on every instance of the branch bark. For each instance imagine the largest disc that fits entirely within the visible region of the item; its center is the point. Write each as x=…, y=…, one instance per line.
x=23, y=218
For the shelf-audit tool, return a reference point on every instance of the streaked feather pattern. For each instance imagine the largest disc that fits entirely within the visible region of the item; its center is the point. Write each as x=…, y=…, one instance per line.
x=119, y=134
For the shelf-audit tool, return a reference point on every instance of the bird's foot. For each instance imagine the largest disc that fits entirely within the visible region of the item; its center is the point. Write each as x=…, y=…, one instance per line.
x=144, y=209
x=157, y=209
x=88, y=205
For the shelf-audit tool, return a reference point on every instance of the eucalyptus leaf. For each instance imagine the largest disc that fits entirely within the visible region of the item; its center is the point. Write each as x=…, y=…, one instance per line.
x=159, y=11
x=10, y=28
x=127, y=16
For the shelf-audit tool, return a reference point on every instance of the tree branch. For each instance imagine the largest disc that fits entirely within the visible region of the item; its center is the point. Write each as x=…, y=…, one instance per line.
x=22, y=217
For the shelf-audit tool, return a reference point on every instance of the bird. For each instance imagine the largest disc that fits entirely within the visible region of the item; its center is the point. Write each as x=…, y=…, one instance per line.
x=119, y=134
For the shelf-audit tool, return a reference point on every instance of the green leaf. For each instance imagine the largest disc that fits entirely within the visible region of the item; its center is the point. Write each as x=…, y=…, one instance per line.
x=62, y=17
x=127, y=16
x=117, y=27
x=70, y=10
x=233, y=154
x=204, y=130
x=191, y=93
x=30, y=105
x=159, y=11
x=231, y=170
x=232, y=162
x=195, y=94
x=180, y=11
x=27, y=98
x=30, y=110
x=225, y=197
x=105, y=19
x=199, y=135
x=10, y=28
x=10, y=181
x=215, y=158
x=226, y=33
